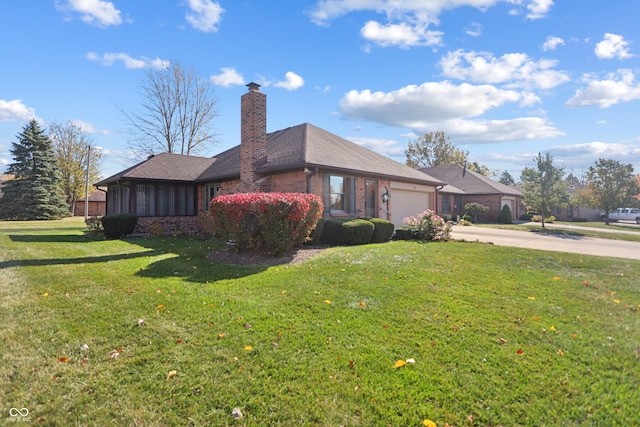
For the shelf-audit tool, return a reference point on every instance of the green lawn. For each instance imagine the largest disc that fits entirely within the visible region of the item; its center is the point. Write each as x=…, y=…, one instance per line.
x=499, y=336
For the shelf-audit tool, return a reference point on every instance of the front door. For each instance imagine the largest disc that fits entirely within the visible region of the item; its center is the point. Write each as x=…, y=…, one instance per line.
x=370, y=198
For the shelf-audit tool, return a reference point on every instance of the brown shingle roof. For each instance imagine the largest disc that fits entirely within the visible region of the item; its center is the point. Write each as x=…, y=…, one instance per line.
x=309, y=146
x=296, y=147
x=164, y=167
x=471, y=183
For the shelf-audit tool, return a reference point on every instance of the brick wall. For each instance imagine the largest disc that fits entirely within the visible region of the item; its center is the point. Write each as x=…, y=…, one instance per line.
x=253, y=137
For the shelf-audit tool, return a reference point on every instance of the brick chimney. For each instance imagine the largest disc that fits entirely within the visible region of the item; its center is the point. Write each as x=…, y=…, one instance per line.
x=253, y=137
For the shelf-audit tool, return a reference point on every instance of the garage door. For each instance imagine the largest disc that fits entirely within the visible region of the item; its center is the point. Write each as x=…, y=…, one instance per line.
x=409, y=200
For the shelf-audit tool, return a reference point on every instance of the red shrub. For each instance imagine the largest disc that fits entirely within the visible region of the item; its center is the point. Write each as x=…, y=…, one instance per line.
x=278, y=221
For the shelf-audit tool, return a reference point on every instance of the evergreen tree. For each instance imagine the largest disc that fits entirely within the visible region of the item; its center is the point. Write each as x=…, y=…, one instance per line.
x=34, y=193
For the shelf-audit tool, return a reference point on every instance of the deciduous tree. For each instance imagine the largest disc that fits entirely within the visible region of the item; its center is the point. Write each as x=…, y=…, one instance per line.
x=543, y=186
x=175, y=115
x=610, y=185
x=71, y=147
x=35, y=192
x=434, y=149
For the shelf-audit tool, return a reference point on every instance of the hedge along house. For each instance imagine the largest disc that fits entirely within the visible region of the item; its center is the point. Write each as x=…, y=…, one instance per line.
x=465, y=186
x=172, y=189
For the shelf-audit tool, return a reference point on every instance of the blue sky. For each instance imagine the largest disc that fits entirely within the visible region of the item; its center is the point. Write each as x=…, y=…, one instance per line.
x=505, y=79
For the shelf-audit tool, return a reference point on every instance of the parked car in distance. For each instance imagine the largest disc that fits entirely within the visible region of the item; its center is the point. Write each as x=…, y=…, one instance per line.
x=624, y=214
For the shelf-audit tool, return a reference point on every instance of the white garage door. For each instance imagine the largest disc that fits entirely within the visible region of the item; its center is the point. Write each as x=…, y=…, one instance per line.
x=409, y=200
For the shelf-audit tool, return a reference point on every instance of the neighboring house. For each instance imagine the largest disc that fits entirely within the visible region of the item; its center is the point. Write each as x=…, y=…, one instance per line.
x=574, y=212
x=465, y=186
x=97, y=204
x=171, y=189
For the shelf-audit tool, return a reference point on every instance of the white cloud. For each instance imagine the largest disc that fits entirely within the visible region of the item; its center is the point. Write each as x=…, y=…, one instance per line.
x=538, y=8
x=474, y=29
x=588, y=153
x=415, y=106
x=418, y=10
x=89, y=127
x=15, y=111
x=552, y=43
x=619, y=86
x=403, y=35
x=292, y=81
x=94, y=12
x=613, y=46
x=228, y=77
x=129, y=62
x=204, y=15
x=448, y=107
x=512, y=69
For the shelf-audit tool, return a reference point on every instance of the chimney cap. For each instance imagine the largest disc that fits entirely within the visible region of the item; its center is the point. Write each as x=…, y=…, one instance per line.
x=253, y=86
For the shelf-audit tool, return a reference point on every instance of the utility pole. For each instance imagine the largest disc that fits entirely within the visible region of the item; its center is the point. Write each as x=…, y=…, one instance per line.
x=86, y=192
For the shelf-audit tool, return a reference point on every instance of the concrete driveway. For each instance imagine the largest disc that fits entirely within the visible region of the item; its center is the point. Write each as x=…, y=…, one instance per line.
x=549, y=242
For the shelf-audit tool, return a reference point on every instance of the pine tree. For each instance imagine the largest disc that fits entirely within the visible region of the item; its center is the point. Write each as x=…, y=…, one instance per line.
x=34, y=193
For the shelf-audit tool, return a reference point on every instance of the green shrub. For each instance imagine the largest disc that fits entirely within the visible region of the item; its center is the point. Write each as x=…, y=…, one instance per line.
x=383, y=230
x=528, y=216
x=347, y=231
x=94, y=223
x=550, y=220
x=332, y=233
x=405, y=233
x=358, y=232
x=505, y=215
x=467, y=218
x=120, y=225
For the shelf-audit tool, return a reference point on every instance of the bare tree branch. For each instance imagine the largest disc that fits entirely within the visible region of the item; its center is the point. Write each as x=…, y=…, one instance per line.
x=175, y=115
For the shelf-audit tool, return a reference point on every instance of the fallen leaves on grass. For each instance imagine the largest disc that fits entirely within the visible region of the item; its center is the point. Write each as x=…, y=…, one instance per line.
x=519, y=351
x=63, y=359
x=248, y=348
x=401, y=363
x=114, y=353
x=159, y=306
x=428, y=423
x=172, y=374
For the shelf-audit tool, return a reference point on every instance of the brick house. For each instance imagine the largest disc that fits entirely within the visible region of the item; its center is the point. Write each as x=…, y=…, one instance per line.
x=97, y=204
x=172, y=189
x=465, y=186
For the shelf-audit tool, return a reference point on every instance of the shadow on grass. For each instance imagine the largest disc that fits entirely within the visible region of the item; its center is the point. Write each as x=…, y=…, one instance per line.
x=192, y=261
x=49, y=238
x=68, y=261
